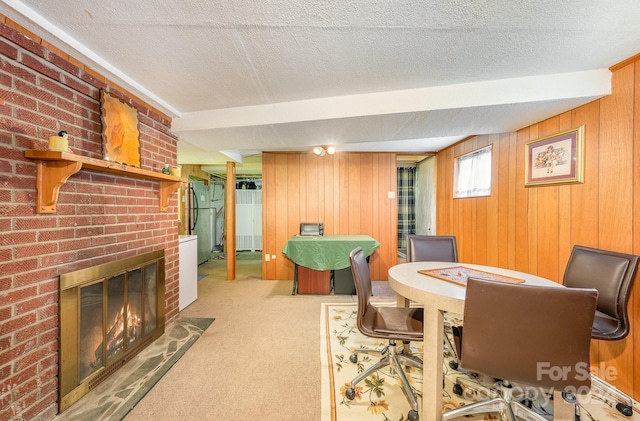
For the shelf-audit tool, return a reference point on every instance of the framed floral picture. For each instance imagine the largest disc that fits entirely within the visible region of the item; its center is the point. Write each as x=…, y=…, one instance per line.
x=120, y=131
x=557, y=159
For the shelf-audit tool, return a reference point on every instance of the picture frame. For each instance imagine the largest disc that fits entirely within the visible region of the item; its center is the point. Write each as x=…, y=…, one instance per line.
x=120, y=131
x=556, y=159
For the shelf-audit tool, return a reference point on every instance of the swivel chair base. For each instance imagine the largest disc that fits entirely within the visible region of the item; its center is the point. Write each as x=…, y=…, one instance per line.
x=506, y=408
x=396, y=360
x=624, y=405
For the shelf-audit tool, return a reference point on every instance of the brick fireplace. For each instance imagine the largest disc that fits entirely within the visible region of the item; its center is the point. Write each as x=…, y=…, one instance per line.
x=100, y=217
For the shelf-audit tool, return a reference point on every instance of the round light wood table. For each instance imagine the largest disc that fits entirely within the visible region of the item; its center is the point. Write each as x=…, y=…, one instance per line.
x=438, y=296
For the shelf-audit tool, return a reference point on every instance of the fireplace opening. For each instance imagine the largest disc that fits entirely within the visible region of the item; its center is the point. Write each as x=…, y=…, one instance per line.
x=108, y=313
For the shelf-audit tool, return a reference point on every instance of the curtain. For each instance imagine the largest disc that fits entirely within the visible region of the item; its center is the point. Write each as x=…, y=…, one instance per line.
x=406, y=204
x=425, y=197
x=473, y=174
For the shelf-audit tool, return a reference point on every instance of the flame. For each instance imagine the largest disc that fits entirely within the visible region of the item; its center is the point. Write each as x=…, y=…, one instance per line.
x=115, y=337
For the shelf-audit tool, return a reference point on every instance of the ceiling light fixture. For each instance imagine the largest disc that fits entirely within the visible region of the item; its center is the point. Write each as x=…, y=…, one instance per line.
x=320, y=151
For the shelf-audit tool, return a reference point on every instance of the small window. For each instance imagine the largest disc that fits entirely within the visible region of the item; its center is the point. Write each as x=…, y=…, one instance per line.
x=472, y=174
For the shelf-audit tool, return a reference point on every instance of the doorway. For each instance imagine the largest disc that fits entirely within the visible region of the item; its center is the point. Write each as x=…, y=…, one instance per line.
x=416, y=198
x=247, y=216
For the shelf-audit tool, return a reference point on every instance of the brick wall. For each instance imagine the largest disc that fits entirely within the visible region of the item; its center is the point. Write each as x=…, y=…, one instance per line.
x=99, y=218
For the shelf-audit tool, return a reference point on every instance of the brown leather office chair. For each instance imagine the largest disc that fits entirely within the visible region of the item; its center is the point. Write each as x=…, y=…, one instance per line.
x=537, y=330
x=431, y=248
x=391, y=323
x=612, y=274
x=436, y=248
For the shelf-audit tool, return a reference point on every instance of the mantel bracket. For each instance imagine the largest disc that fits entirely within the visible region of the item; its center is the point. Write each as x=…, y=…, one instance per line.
x=50, y=176
x=167, y=188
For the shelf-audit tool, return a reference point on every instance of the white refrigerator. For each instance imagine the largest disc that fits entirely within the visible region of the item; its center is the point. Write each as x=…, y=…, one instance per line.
x=200, y=214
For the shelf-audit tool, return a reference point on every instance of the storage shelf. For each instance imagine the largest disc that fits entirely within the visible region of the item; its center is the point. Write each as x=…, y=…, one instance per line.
x=53, y=169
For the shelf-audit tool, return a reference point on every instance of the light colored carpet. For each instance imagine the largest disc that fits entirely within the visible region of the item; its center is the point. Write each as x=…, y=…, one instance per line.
x=380, y=397
x=258, y=361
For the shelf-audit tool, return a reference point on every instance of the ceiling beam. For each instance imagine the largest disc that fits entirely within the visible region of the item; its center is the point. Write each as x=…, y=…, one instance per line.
x=592, y=83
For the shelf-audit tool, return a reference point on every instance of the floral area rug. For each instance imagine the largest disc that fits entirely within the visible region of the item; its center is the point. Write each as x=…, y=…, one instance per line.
x=381, y=398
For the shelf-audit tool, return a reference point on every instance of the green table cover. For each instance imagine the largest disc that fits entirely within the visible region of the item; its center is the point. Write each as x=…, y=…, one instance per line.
x=328, y=252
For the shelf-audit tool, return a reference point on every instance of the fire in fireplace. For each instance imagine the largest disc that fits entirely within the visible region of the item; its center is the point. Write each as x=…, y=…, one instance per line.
x=108, y=313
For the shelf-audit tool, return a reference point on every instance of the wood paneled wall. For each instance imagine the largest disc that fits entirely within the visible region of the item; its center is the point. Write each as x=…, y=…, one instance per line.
x=348, y=192
x=534, y=229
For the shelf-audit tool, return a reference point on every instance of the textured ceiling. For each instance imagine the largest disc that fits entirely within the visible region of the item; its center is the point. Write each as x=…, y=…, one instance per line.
x=246, y=76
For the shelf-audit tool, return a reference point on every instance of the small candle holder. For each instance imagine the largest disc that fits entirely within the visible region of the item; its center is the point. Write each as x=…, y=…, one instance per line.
x=60, y=142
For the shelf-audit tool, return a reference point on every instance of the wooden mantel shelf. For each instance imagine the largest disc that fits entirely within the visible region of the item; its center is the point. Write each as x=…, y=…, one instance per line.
x=53, y=169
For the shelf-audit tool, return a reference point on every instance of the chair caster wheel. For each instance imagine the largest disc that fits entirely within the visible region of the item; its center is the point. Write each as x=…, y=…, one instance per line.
x=527, y=402
x=457, y=389
x=350, y=393
x=624, y=409
x=453, y=365
x=353, y=358
x=569, y=397
x=413, y=415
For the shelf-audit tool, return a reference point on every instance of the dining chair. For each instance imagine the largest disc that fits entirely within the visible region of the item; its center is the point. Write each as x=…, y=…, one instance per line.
x=558, y=334
x=612, y=274
x=431, y=248
x=436, y=248
x=390, y=323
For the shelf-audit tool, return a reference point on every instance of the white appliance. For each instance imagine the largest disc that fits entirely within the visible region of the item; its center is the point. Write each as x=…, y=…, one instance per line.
x=200, y=215
x=188, y=272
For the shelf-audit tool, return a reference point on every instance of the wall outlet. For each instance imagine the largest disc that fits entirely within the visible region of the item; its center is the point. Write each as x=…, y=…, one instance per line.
x=392, y=195
x=273, y=257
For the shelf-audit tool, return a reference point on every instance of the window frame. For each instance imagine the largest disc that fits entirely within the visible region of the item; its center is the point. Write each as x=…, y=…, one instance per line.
x=459, y=193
